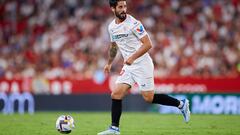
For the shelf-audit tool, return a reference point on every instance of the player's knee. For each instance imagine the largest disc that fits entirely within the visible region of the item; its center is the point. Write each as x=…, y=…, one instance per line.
x=117, y=95
x=148, y=98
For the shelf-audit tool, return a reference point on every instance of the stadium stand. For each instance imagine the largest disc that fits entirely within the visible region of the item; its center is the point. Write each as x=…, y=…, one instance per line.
x=69, y=39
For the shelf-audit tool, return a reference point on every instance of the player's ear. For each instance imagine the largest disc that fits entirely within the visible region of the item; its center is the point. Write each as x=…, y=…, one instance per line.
x=113, y=9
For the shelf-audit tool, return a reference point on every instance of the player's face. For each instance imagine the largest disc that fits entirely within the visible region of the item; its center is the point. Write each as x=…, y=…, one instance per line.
x=121, y=10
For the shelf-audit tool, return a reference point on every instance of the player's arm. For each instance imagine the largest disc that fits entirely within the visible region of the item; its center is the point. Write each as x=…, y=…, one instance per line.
x=147, y=44
x=112, y=54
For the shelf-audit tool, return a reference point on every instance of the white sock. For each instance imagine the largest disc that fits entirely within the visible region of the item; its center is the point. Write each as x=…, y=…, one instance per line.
x=181, y=104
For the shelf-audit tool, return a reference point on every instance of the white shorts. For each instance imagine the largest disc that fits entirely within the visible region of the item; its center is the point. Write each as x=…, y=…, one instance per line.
x=140, y=73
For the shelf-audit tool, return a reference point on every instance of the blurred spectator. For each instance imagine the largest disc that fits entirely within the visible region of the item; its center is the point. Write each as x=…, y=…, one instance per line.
x=69, y=39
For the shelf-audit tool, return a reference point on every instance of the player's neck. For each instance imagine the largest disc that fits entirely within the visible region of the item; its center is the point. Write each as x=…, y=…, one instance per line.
x=118, y=21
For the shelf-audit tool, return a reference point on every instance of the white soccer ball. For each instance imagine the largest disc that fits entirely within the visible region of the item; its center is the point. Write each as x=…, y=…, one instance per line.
x=65, y=124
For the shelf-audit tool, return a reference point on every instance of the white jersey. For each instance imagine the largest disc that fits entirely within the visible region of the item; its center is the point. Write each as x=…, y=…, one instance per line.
x=127, y=36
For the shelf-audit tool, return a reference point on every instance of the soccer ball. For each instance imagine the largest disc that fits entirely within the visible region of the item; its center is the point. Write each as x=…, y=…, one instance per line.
x=65, y=124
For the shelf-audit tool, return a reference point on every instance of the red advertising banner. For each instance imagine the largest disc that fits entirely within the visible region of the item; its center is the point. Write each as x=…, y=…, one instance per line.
x=89, y=86
x=195, y=85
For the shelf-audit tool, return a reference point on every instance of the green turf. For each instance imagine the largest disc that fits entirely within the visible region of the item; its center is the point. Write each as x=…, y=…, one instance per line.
x=43, y=123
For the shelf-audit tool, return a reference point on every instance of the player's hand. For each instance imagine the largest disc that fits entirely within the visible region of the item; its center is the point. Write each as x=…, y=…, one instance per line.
x=107, y=68
x=129, y=61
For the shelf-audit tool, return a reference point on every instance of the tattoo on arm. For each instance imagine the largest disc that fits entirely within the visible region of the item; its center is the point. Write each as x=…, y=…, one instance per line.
x=112, y=53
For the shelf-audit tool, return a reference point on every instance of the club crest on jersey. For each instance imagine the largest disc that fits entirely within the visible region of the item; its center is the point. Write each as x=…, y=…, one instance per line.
x=140, y=29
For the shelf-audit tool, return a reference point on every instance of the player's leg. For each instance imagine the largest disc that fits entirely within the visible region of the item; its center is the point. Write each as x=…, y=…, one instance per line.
x=123, y=84
x=143, y=75
x=117, y=95
x=164, y=99
x=145, y=82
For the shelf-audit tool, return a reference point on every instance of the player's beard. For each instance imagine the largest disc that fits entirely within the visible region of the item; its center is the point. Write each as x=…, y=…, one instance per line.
x=122, y=16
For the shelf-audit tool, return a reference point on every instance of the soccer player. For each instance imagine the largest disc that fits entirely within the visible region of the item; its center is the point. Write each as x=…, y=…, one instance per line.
x=129, y=36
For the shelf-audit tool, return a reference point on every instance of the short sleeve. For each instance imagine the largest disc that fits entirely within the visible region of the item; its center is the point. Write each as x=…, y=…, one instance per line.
x=110, y=35
x=139, y=30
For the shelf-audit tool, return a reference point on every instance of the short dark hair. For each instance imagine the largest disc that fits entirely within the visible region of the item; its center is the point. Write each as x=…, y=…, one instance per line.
x=113, y=3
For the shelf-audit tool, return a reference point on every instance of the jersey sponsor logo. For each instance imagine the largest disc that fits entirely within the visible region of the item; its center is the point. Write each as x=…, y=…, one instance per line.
x=140, y=30
x=119, y=36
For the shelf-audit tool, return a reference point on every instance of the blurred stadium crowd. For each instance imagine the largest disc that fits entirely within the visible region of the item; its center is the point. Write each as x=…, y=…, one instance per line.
x=68, y=38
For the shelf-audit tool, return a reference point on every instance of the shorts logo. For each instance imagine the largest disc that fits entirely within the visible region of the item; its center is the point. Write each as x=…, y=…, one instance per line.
x=140, y=30
x=143, y=85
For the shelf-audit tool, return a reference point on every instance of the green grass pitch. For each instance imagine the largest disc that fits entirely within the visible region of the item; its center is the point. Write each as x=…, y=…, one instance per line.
x=132, y=123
